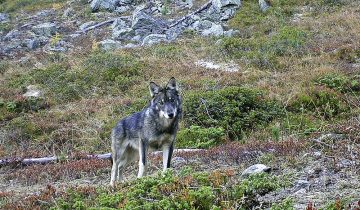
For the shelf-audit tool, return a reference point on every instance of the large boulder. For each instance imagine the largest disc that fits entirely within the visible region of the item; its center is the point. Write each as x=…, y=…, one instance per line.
x=214, y=30
x=109, y=5
x=144, y=24
x=45, y=29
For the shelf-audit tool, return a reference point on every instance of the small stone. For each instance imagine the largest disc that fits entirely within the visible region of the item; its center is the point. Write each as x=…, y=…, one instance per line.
x=254, y=169
x=215, y=30
x=4, y=17
x=33, y=91
x=109, y=5
x=32, y=44
x=68, y=12
x=154, y=39
x=264, y=5
x=45, y=29
x=231, y=33
x=109, y=44
x=300, y=184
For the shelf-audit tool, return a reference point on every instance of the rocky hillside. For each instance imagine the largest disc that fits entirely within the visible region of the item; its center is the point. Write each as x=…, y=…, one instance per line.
x=271, y=96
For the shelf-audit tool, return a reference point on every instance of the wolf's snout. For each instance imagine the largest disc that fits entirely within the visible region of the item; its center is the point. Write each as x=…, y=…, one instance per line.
x=171, y=115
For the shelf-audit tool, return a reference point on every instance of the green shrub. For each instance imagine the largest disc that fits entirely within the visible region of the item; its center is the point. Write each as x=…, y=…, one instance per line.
x=197, y=137
x=14, y=5
x=286, y=204
x=339, y=82
x=235, y=109
x=321, y=102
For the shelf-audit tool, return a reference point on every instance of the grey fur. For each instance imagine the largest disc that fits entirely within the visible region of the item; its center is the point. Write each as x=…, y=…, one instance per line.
x=152, y=128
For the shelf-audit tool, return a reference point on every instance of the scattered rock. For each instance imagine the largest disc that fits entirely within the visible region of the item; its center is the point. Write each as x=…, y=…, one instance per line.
x=225, y=8
x=231, y=33
x=122, y=9
x=68, y=12
x=264, y=5
x=144, y=24
x=202, y=25
x=229, y=67
x=45, y=29
x=154, y=39
x=254, y=169
x=11, y=35
x=119, y=23
x=123, y=34
x=301, y=184
x=33, y=91
x=32, y=43
x=215, y=30
x=109, y=44
x=45, y=13
x=109, y=5
x=4, y=17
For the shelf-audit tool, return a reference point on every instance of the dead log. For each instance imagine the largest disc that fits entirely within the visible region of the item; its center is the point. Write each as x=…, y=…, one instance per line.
x=54, y=159
x=102, y=24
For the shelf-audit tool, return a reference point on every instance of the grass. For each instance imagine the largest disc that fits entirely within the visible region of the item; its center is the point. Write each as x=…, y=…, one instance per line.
x=28, y=5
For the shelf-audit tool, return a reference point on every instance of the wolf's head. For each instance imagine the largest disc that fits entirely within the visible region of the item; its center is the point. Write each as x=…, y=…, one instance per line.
x=166, y=100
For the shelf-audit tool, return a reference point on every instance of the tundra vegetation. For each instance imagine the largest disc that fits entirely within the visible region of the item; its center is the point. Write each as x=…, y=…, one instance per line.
x=298, y=78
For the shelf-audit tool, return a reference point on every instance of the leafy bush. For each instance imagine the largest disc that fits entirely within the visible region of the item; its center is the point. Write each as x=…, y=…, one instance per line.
x=235, y=109
x=197, y=137
x=286, y=204
x=321, y=102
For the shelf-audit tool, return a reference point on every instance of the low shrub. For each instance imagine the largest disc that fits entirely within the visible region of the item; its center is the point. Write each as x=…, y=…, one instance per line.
x=339, y=82
x=198, y=137
x=321, y=102
x=234, y=109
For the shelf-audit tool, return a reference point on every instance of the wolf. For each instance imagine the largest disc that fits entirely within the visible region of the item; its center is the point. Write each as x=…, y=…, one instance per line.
x=152, y=128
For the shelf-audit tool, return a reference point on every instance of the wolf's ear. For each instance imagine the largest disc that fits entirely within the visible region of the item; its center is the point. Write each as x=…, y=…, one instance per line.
x=154, y=89
x=172, y=84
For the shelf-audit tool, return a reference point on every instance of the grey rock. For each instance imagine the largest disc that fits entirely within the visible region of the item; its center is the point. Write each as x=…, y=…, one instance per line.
x=45, y=13
x=136, y=38
x=122, y=9
x=145, y=24
x=264, y=5
x=301, y=184
x=130, y=45
x=68, y=12
x=126, y=2
x=201, y=25
x=45, y=29
x=220, y=4
x=11, y=35
x=215, y=30
x=257, y=168
x=32, y=44
x=109, y=5
x=118, y=24
x=154, y=39
x=231, y=33
x=109, y=44
x=86, y=25
x=123, y=34
x=33, y=91
x=4, y=17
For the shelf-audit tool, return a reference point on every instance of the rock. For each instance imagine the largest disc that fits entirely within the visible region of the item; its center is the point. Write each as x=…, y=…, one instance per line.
x=154, y=39
x=178, y=161
x=33, y=91
x=11, y=35
x=231, y=33
x=109, y=5
x=201, y=25
x=45, y=29
x=224, y=9
x=68, y=12
x=301, y=184
x=45, y=13
x=257, y=168
x=109, y=44
x=123, y=34
x=122, y=9
x=264, y=5
x=215, y=30
x=125, y=2
x=118, y=24
x=86, y=25
x=144, y=24
x=32, y=44
x=220, y=4
x=129, y=45
x=4, y=17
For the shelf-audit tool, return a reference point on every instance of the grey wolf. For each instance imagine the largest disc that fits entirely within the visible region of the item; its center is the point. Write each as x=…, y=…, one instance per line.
x=153, y=128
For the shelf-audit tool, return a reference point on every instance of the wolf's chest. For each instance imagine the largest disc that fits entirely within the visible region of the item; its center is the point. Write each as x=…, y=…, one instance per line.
x=158, y=141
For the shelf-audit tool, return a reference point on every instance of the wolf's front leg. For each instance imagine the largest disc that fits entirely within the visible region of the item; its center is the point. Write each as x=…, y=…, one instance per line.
x=167, y=153
x=143, y=147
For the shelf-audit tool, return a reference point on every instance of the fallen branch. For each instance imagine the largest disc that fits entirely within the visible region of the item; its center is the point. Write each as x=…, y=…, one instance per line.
x=52, y=159
x=102, y=24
